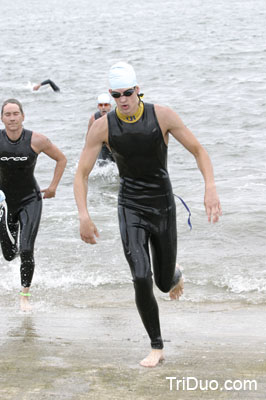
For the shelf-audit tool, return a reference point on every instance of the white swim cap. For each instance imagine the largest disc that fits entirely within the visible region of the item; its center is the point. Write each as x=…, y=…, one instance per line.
x=104, y=98
x=121, y=76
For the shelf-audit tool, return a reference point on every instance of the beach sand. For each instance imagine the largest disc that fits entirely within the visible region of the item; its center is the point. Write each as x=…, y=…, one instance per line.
x=73, y=352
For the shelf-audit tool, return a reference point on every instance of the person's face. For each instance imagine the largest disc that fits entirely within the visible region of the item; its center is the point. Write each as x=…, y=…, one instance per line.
x=12, y=117
x=127, y=105
x=104, y=108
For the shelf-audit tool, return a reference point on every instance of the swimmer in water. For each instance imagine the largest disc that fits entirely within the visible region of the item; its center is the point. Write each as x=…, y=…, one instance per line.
x=47, y=82
x=19, y=149
x=104, y=106
x=137, y=134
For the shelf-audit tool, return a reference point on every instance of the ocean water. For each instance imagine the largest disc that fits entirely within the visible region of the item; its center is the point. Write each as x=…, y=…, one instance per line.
x=204, y=59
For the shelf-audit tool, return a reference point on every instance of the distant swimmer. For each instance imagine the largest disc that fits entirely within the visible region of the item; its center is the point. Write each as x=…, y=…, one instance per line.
x=20, y=195
x=104, y=106
x=47, y=82
x=138, y=134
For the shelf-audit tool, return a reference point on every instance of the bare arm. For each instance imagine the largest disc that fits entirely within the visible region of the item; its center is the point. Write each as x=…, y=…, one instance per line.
x=98, y=135
x=91, y=120
x=171, y=123
x=41, y=144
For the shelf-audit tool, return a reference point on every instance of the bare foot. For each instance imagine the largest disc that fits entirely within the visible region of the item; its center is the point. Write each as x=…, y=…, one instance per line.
x=24, y=300
x=153, y=358
x=178, y=289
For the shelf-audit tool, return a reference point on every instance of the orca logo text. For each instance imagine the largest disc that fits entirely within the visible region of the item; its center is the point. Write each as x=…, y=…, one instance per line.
x=14, y=158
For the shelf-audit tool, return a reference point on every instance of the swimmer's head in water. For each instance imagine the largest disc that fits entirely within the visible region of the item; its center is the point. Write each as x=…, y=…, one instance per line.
x=12, y=101
x=122, y=75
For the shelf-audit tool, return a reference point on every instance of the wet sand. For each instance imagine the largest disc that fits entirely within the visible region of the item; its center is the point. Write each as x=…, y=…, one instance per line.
x=71, y=352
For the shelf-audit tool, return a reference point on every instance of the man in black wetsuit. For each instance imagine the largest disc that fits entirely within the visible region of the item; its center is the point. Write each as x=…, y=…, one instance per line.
x=104, y=106
x=19, y=149
x=138, y=134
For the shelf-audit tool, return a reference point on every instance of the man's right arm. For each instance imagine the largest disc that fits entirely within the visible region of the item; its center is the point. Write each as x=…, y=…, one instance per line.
x=93, y=145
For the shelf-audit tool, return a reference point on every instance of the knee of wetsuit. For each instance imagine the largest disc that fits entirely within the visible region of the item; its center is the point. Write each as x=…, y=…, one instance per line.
x=27, y=256
x=142, y=281
x=9, y=256
x=10, y=250
x=10, y=253
x=144, y=290
x=165, y=287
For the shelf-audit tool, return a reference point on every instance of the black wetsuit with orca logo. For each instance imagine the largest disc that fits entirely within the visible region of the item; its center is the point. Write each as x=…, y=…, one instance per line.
x=23, y=198
x=146, y=210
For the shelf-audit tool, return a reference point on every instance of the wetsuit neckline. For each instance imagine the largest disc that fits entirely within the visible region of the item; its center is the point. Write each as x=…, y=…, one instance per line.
x=130, y=119
x=17, y=140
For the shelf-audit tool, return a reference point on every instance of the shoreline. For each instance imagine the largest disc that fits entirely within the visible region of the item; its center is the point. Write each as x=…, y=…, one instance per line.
x=93, y=353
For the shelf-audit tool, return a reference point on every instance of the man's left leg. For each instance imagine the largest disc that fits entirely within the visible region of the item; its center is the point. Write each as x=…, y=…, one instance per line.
x=163, y=243
x=29, y=219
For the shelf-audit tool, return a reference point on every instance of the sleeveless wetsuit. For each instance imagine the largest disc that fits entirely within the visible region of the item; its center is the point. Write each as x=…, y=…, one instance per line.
x=105, y=153
x=146, y=210
x=24, y=200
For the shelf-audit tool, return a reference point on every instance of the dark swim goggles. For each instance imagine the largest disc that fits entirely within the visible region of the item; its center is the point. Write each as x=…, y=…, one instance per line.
x=126, y=93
